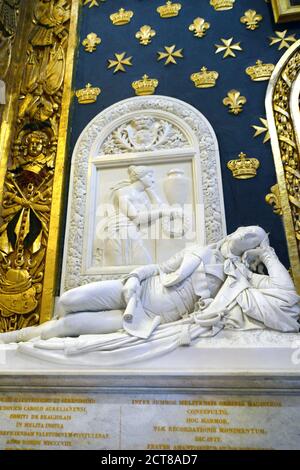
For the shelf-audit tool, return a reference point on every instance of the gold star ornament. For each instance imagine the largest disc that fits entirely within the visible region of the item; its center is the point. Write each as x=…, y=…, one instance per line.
x=92, y=3
x=170, y=54
x=119, y=62
x=282, y=39
x=228, y=47
x=264, y=129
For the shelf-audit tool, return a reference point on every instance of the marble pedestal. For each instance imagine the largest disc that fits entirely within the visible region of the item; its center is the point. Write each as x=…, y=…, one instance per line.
x=238, y=390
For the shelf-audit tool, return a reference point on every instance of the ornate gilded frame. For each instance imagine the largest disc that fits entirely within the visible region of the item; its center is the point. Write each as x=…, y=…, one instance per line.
x=284, y=11
x=283, y=115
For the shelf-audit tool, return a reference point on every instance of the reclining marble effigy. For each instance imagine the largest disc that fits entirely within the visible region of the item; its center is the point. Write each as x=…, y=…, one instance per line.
x=156, y=308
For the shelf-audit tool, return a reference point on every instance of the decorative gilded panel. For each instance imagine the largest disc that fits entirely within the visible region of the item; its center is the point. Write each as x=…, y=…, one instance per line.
x=29, y=210
x=283, y=115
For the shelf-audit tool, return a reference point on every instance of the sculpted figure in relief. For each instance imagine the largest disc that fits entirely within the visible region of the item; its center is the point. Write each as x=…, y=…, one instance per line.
x=133, y=205
x=237, y=283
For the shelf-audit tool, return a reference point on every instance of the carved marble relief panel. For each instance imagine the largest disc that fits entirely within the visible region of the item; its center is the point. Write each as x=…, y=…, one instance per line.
x=143, y=186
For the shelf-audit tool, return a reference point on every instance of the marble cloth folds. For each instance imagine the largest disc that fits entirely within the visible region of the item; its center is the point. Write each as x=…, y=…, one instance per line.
x=116, y=349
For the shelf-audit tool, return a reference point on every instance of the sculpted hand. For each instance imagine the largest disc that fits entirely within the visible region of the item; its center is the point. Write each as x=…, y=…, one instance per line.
x=251, y=258
x=131, y=288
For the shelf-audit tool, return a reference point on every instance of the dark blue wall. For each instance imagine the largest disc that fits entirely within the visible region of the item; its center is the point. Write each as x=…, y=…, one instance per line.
x=244, y=200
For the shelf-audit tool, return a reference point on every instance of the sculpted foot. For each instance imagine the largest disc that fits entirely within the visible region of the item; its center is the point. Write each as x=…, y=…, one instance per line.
x=11, y=337
x=26, y=334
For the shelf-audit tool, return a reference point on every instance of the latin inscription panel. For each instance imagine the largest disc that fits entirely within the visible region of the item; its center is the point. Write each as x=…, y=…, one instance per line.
x=148, y=421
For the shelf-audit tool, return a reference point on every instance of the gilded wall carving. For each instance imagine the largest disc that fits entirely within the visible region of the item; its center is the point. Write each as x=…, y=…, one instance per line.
x=286, y=150
x=28, y=184
x=9, y=15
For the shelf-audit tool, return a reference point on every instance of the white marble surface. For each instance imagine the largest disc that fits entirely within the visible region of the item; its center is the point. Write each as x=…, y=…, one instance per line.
x=230, y=352
x=235, y=391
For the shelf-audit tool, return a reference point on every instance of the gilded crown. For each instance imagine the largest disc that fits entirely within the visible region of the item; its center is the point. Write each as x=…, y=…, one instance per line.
x=204, y=78
x=260, y=71
x=243, y=168
x=121, y=17
x=220, y=5
x=88, y=94
x=169, y=10
x=145, y=86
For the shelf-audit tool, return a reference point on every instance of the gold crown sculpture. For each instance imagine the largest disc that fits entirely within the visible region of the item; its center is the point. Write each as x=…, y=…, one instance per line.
x=88, y=94
x=204, y=78
x=220, y=5
x=145, y=86
x=121, y=17
x=169, y=10
x=243, y=168
x=260, y=71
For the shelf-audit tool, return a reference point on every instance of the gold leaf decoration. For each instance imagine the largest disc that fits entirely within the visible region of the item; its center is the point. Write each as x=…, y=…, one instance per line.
x=145, y=86
x=170, y=54
x=199, y=27
x=221, y=5
x=169, y=10
x=282, y=40
x=204, y=78
x=91, y=42
x=119, y=62
x=121, y=17
x=145, y=35
x=264, y=129
x=88, y=94
x=228, y=47
x=92, y=3
x=274, y=199
x=235, y=101
x=27, y=205
x=260, y=71
x=251, y=19
x=244, y=167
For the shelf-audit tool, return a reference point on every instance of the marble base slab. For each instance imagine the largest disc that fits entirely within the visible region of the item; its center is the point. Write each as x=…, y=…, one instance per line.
x=231, y=359
x=234, y=391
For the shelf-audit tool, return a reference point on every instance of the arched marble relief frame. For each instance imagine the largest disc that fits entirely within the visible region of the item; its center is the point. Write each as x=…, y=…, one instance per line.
x=190, y=137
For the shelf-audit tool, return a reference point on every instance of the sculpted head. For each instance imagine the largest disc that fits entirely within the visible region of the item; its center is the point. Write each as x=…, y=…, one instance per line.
x=143, y=174
x=35, y=142
x=246, y=238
